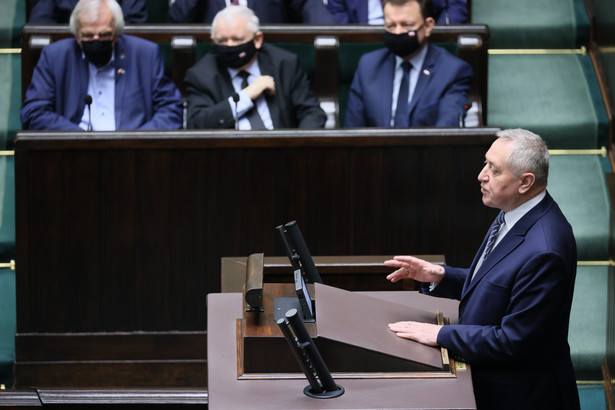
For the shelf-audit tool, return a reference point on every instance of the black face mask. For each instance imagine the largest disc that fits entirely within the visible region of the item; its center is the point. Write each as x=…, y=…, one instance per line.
x=97, y=52
x=235, y=56
x=402, y=44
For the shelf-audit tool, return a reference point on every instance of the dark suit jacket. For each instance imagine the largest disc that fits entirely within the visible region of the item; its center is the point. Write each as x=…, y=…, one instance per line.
x=514, y=315
x=58, y=11
x=293, y=105
x=355, y=11
x=144, y=97
x=268, y=11
x=438, y=99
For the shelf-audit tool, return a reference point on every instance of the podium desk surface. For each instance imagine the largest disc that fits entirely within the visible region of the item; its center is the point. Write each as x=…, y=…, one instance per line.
x=227, y=392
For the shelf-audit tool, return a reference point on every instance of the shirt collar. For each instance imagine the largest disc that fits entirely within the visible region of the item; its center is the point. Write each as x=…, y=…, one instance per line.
x=417, y=60
x=512, y=217
x=110, y=63
x=253, y=69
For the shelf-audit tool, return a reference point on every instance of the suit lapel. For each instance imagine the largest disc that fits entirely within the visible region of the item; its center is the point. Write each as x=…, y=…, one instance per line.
x=227, y=81
x=508, y=244
x=386, y=85
x=266, y=67
x=362, y=10
x=425, y=75
x=84, y=76
x=513, y=239
x=120, y=80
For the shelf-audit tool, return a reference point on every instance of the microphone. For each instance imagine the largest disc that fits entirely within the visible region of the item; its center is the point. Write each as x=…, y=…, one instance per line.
x=236, y=100
x=88, y=101
x=462, y=115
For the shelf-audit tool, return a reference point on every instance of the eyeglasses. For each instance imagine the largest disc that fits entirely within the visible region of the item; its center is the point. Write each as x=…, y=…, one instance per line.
x=104, y=36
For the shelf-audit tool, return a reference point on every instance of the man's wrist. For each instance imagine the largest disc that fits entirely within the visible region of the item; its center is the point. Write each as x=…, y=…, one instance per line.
x=439, y=273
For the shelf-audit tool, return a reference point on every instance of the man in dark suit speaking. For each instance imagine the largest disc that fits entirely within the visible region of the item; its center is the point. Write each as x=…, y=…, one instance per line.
x=261, y=85
x=516, y=296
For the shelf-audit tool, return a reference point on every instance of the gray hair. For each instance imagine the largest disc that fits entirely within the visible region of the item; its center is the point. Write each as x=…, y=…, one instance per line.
x=89, y=10
x=530, y=154
x=230, y=13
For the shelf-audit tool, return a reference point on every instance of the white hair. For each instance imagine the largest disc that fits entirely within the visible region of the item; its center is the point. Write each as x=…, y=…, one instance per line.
x=89, y=10
x=530, y=154
x=230, y=13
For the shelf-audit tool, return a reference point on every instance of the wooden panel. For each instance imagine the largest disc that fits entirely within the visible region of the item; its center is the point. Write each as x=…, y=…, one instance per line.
x=110, y=346
x=165, y=359
x=124, y=232
x=187, y=207
x=105, y=373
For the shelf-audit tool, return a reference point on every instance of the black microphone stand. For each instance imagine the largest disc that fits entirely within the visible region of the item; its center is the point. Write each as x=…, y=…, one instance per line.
x=236, y=100
x=88, y=101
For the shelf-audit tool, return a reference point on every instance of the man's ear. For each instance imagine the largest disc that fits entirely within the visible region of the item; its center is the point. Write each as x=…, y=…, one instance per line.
x=527, y=182
x=429, y=25
x=258, y=39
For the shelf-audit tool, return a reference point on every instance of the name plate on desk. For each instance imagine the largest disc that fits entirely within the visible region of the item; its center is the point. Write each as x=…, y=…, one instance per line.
x=351, y=334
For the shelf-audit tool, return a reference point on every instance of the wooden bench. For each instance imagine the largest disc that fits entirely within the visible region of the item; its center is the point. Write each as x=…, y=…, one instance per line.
x=327, y=65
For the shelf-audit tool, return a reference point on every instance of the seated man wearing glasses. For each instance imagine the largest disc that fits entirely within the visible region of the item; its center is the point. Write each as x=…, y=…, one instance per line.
x=101, y=80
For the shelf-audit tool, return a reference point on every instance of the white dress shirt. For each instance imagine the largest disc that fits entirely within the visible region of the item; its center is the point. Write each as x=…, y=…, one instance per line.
x=417, y=65
x=101, y=87
x=510, y=219
x=245, y=103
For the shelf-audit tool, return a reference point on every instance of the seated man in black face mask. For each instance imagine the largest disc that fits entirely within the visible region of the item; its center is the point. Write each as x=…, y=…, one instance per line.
x=100, y=80
x=262, y=85
x=411, y=83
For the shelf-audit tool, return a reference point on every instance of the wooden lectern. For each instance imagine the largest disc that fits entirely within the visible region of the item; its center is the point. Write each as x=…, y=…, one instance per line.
x=250, y=363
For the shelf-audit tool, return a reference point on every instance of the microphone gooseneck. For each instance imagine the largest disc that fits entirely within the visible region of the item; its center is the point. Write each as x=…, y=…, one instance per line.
x=236, y=100
x=462, y=115
x=88, y=101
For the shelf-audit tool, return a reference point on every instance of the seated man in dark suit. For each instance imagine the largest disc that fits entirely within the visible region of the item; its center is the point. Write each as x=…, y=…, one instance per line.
x=268, y=12
x=58, y=11
x=121, y=77
x=370, y=11
x=262, y=85
x=515, y=298
x=411, y=83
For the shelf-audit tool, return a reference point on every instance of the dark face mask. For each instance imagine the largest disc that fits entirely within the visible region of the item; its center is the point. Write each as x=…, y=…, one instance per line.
x=235, y=56
x=97, y=52
x=402, y=44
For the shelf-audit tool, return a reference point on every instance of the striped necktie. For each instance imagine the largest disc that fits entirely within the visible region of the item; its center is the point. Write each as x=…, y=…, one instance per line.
x=256, y=122
x=493, y=235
